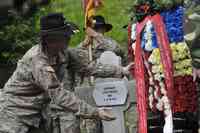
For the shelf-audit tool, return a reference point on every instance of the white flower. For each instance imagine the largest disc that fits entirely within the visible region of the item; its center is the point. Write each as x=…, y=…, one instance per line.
x=148, y=36
x=133, y=32
x=159, y=105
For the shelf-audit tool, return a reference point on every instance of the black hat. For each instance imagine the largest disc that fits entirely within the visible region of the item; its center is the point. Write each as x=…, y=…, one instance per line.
x=55, y=24
x=99, y=22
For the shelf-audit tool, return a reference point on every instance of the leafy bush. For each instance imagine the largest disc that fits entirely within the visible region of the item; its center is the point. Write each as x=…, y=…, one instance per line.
x=115, y=12
x=21, y=33
x=15, y=39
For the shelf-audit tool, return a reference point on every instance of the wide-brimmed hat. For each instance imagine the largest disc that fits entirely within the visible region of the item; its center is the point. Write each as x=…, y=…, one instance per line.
x=55, y=24
x=98, y=22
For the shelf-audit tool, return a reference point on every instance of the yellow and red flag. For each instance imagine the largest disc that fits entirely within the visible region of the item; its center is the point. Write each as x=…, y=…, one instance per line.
x=90, y=7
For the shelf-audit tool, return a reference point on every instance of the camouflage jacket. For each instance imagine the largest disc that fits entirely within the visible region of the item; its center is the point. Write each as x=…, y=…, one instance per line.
x=192, y=29
x=106, y=44
x=195, y=52
x=38, y=82
x=80, y=67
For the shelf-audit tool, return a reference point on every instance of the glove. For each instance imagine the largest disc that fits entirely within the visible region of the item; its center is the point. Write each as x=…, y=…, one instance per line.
x=105, y=114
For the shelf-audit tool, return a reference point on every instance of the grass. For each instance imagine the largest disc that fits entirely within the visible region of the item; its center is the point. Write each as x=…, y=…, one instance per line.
x=115, y=12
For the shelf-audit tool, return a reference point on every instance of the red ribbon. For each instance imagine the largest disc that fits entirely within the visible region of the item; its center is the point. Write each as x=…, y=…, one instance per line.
x=166, y=55
x=140, y=80
x=166, y=59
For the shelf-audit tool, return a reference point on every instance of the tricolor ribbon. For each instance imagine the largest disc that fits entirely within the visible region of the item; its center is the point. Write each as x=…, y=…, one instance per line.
x=166, y=59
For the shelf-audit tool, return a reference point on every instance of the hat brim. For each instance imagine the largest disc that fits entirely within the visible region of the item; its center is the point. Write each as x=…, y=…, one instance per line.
x=67, y=30
x=107, y=27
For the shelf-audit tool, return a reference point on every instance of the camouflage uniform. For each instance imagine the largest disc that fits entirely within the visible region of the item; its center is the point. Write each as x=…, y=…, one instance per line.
x=106, y=44
x=77, y=62
x=192, y=37
x=192, y=19
x=36, y=83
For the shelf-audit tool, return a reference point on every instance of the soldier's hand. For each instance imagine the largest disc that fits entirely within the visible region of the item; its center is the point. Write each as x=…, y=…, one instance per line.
x=126, y=70
x=91, y=33
x=97, y=36
x=196, y=74
x=106, y=114
x=87, y=41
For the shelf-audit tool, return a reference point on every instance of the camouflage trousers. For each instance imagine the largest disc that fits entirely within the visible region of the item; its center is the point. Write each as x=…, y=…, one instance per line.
x=9, y=124
x=61, y=122
x=131, y=118
x=91, y=126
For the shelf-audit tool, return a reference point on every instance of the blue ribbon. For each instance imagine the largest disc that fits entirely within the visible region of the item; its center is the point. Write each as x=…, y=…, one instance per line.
x=173, y=20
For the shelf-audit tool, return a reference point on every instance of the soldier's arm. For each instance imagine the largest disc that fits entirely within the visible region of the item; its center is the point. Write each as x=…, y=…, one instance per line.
x=196, y=62
x=195, y=53
x=103, y=43
x=108, y=44
x=105, y=71
x=79, y=62
x=78, y=59
x=117, y=49
x=46, y=79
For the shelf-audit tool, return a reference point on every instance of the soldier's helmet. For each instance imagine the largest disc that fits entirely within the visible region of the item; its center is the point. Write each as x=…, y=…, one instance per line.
x=55, y=24
x=98, y=22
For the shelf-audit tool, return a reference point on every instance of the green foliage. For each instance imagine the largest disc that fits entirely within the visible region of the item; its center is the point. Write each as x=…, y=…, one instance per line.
x=71, y=10
x=18, y=36
x=116, y=12
x=15, y=39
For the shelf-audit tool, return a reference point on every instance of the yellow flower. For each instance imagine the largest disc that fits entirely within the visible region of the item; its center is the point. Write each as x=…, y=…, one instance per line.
x=181, y=59
x=155, y=57
x=157, y=68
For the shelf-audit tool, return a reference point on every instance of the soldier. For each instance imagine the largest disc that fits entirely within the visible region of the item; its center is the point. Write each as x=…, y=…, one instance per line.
x=77, y=62
x=79, y=66
x=37, y=83
x=100, y=43
x=192, y=37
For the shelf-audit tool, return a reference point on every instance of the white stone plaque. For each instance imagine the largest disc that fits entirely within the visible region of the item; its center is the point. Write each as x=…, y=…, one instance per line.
x=110, y=93
x=118, y=125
